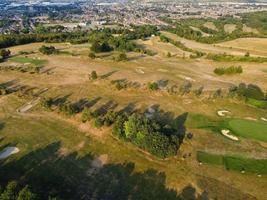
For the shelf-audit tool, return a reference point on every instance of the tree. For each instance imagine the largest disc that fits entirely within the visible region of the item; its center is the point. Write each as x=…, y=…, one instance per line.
x=26, y=194
x=93, y=75
x=47, y=103
x=185, y=87
x=10, y=192
x=5, y=53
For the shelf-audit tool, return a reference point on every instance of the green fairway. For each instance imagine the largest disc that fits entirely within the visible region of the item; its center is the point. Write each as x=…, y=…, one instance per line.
x=249, y=129
x=257, y=103
x=209, y=158
x=24, y=60
x=236, y=163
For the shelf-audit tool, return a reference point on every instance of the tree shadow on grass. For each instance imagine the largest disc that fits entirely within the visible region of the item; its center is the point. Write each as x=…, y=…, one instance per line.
x=104, y=76
x=102, y=110
x=51, y=173
x=61, y=99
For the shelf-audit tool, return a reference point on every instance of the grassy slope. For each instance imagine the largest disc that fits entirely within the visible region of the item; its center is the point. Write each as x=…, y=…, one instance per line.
x=67, y=79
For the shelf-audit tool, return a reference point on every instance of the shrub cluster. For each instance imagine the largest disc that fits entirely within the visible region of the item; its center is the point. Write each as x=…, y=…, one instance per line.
x=231, y=58
x=30, y=69
x=48, y=50
x=228, y=70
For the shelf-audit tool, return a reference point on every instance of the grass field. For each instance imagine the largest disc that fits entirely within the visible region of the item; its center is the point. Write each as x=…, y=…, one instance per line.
x=25, y=60
x=249, y=129
x=236, y=163
x=252, y=45
x=67, y=147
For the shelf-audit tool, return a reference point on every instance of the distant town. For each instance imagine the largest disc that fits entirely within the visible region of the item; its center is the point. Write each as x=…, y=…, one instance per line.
x=25, y=16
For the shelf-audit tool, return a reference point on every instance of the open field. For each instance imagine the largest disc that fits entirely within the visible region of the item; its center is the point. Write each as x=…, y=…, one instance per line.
x=252, y=45
x=26, y=60
x=70, y=148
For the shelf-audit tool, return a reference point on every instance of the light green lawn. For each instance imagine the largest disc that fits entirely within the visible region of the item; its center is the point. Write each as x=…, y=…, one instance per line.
x=24, y=60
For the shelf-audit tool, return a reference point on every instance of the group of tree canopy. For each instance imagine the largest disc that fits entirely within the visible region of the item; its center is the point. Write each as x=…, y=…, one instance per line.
x=102, y=40
x=252, y=94
x=157, y=133
x=183, y=28
x=156, y=137
x=14, y=192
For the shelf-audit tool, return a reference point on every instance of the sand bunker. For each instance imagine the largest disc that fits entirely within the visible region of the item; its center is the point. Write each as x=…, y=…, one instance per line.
x=8, y=151
x=223, y=113
x=187, y=78
x=226, y=133
x=264, y=119
x=140, y=71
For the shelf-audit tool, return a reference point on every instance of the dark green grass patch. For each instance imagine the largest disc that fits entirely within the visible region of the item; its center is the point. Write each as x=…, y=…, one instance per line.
x=257, y=103
x=249, y=129
x=235, y=163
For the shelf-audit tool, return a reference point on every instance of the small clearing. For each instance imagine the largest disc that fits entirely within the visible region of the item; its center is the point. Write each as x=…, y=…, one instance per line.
x=227, y=134
x=8, y=151
x=211, y=26
x=229, y=28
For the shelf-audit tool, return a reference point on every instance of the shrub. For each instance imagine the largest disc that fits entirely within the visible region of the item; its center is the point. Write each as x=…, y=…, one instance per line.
x=153, y=86
x=4, y=53
x=68, y=109
x=93, y=75
x=199, y=91
x=185, y=87
x=228, y=71
x=47, y=103
x=48, y=50
x=121, y=57
x=99, y=122
x=86, y=115
x=218, y=93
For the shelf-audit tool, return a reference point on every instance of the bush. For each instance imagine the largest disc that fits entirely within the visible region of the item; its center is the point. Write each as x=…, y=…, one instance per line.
x=93, y=76
x=47, y=103
x=86, y=115
x=4, y=53
x=68, y=109
x=153, y=86
x=121, y=57
x=99, y=123
x=185, y=87
x=228, y=71
x=48, y=50
x=199, y=91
